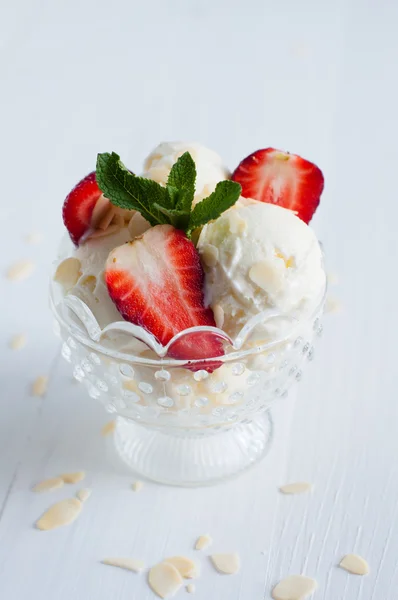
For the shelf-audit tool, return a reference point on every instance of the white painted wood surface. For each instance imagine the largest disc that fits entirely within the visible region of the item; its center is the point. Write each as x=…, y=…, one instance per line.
x=315, y=77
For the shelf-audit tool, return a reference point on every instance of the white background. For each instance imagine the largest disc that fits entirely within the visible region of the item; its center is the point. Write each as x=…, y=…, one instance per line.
x=317, y=78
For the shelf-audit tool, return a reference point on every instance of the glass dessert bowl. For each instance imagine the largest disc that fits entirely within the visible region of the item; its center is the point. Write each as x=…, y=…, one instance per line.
x=189, y=300
x=179, y=425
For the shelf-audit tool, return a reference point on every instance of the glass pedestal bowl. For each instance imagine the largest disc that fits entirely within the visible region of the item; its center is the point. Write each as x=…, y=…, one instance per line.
x=181, y=424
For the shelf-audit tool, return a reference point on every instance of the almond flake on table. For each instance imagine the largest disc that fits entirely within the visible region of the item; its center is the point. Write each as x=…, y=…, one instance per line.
x=130, y=564
x=294, y=587
x=83, y=494
x=355, y=564
x=73, y=477
x=60, y=514
x=191, y=588
x=20, y=270
x=203, y=542
x=165, y=580
x=185, y=566
x=137, y=486
x=333, y=305
x=227, y=564
x=108, y=428
x=17, y=342
x=48, y=485
x=332, y=277
x=39, y=386
x=298, y=487
x=34, y=237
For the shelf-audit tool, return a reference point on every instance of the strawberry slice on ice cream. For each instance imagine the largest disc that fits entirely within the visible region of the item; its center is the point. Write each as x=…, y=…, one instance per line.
x=156, y=281
x=277, y=177
x=87, y=213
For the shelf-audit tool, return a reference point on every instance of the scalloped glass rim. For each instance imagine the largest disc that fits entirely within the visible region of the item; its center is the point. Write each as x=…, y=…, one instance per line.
x=92, y=334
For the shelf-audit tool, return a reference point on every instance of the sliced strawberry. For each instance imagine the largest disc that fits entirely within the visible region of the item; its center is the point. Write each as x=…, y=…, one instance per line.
x=79, y=206
x=278, y=177
x=87, y=213
x=156, y=281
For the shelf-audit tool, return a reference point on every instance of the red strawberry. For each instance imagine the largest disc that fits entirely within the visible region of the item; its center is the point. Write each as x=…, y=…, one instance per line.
x=278, y=177
x=79, y=206
x=86, y=212
x=156, y=281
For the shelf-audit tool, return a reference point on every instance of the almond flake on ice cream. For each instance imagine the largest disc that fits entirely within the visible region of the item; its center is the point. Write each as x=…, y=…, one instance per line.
x=68, y=273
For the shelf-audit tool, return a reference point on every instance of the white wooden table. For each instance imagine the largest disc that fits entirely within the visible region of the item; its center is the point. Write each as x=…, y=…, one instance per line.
x=318, y=78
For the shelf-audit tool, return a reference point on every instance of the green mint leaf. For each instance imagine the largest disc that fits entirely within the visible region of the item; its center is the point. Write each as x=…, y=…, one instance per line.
x=178, y=218
x=182, y=177
x=128, y=191
x=224, y=196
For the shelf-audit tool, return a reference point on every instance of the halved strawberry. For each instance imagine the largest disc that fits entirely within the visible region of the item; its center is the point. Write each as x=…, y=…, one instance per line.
x=282, y=178
x=156, y=281
x=79, y=206
x=86, y=212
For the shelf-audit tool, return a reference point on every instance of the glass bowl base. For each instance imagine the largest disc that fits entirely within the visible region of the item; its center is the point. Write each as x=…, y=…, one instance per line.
x=189, y=460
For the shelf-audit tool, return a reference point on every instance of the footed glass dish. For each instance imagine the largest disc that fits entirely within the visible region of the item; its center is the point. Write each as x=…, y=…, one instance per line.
x=178, y=423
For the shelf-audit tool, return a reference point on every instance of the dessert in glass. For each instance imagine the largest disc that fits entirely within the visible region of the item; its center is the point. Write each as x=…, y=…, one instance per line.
x=188, y=300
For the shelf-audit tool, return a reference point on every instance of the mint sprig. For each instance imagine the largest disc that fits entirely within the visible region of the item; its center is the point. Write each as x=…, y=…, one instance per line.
x=171, y=204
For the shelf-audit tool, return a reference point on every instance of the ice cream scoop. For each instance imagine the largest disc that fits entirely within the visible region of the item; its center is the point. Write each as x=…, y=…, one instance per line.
x=260, y=256
x=209, y=166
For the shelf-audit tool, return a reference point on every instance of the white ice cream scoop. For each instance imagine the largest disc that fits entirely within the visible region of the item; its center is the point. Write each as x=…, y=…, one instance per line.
x=259, y=256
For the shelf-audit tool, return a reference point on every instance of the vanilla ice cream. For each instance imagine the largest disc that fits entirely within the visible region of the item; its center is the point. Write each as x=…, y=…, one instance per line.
x=209, y=167
x=259, y=256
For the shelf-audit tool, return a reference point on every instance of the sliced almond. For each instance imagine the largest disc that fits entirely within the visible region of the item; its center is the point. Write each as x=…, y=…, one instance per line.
x=227, y=564
x=20, y=270
x=209, y=255
x=165, y=580
x=48, y=484
x=108, y=428
x=267, y=275
x=34, y=237
x=137, y=486
x=294, y=587
x=59, y=514
x=191, y=588
x=39, y=386
x=83, y=494
x=131, y=564
x=332, y=277
x=73, y=477
x=355, y=564
x=298, y=487
x=203, y=542
x=68, y=273
x=186, y=567
x=218, y=315
x=17, y=342
x=333, y=305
